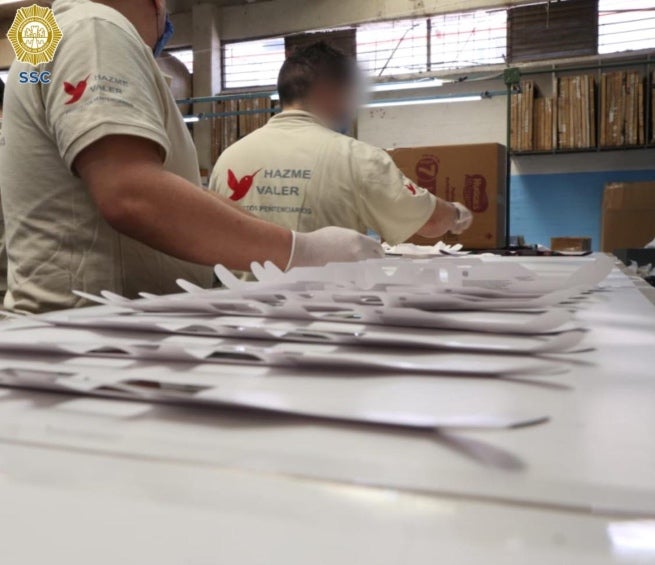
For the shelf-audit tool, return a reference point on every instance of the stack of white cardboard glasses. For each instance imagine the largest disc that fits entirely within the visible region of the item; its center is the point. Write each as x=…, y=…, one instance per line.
x=295, y=343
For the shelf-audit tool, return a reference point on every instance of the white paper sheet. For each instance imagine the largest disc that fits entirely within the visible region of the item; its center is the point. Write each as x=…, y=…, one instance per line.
x=188, y=349
x=551, y=321
x=318, y=400
x=326, y=332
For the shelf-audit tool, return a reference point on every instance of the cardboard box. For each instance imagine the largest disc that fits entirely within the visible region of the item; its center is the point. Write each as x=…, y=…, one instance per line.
x=571, y=244
x=475, y=175
x=628, y=215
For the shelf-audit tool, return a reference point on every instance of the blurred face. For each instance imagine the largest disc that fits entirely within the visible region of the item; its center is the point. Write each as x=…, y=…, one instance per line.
x=335, y=104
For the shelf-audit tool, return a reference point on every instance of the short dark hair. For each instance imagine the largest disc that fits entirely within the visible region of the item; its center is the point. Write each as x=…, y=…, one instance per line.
x=306, y=66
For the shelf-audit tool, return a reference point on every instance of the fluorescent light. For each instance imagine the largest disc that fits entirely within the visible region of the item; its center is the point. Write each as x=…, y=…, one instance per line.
x=393, y=86
x=423, y=101
x=191, y=119
x=633, y=537
x=406, y=85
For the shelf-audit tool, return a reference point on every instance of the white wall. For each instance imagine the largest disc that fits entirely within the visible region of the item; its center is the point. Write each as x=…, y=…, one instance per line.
x=450, y=123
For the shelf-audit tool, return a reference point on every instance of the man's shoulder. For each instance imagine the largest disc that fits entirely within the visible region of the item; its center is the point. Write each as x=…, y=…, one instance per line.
x=246, y=145
x=85, y=14
x=360, y=150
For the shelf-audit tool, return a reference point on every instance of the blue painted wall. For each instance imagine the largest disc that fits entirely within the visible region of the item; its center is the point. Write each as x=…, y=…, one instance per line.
x=564, y=204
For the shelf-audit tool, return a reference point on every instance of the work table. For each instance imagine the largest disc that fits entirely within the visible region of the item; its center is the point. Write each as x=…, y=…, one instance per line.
x=101, y=480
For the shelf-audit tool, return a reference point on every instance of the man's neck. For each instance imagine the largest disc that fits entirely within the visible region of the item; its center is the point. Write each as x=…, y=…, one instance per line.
x=296, y=107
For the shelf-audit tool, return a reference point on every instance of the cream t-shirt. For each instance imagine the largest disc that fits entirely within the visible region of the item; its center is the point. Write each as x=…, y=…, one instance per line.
x=105, y=81
x=301, y=175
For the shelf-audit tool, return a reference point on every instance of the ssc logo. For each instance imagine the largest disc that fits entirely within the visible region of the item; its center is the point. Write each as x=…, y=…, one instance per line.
x=34, y=35
x=34, y=77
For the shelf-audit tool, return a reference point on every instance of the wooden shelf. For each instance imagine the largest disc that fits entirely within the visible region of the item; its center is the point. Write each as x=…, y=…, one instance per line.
x=583, y=150
x=608, y=104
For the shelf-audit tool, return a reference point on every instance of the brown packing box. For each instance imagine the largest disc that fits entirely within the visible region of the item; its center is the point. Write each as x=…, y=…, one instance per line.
x=570, y=244
x=628, y=215
x=472, y=174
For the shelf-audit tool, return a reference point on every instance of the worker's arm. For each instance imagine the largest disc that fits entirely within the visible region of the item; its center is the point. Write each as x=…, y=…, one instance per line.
x=447, y=216
x=396, y=207
x=229, y=203
x=140, y=199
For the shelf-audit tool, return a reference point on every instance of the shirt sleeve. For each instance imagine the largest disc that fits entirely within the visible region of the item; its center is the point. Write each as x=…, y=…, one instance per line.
x=217, y=179
x=388, y=202
x=103, y=83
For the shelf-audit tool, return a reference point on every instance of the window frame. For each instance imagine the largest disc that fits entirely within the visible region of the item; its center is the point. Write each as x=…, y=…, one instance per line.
x=431, y=67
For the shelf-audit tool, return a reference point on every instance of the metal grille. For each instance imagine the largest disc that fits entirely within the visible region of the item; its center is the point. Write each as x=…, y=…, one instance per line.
x=552, y=30
x=626, y=26
x=463, y=40
x=393, y=48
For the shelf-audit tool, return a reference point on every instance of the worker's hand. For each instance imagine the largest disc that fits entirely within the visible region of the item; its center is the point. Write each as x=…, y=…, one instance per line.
x=464, y=219
x=332, y=245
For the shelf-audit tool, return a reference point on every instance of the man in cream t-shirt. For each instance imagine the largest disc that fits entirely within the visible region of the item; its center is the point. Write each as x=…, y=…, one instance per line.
x=99, y=174
x=3, y=248
x=298, y=172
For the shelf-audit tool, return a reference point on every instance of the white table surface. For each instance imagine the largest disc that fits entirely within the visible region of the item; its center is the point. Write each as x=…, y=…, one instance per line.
x=175, y=485
x=72, y=508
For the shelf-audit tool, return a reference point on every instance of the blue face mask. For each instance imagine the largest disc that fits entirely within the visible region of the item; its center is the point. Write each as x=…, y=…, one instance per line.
x=169, y=30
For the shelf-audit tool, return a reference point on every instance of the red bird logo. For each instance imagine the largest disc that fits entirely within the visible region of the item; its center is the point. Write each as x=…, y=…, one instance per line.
x=240, y=187
x=75, y=92
x=409, y=186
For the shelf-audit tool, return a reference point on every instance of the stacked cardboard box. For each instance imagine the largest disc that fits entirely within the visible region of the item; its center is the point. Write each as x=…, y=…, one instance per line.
x=622, y=109
x=253, y=121
x=571, y=244
x=652, y=113
x=475, y=175
x=229, y=129
x=576, y=112
x=545, y=121
x=628, y=212
x=230, y=123
x=522, y=106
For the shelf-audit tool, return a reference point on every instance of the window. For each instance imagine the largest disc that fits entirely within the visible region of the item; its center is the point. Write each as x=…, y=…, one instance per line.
x=393, y=48
x=185, y=56
x=251, y=64
x=463, y=40
x=626, y=26
x=537, y=31
x=387, y=49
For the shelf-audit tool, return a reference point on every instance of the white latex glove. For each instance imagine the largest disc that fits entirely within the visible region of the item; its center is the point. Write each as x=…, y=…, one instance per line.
x=464, y=219
x=332, y=245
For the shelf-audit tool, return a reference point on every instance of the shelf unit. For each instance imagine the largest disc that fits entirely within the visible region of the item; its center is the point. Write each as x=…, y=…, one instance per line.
x=513, y=76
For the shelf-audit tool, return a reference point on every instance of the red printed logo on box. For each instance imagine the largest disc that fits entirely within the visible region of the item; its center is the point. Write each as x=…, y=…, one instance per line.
x=475, y=193
x=427, y=170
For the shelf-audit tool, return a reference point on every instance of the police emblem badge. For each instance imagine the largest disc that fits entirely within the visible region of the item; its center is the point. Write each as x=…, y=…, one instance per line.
x=34, y=35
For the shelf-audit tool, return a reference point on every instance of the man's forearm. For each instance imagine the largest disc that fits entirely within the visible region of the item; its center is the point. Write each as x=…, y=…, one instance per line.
x=229, y=202
x=442, y=220
x=169, y=214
